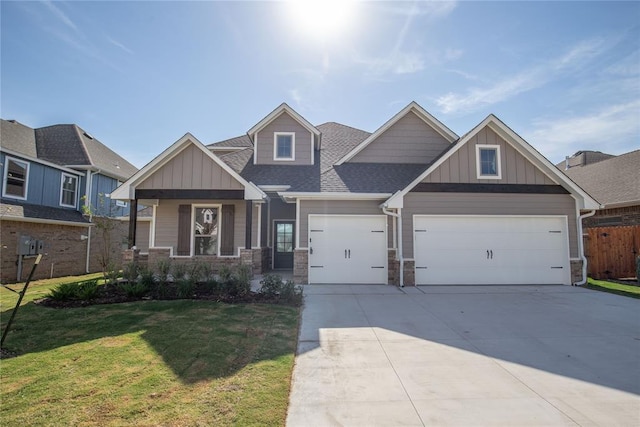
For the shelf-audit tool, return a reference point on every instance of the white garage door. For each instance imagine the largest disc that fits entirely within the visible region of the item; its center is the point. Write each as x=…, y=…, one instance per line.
x=348, y=249
x=498, y=250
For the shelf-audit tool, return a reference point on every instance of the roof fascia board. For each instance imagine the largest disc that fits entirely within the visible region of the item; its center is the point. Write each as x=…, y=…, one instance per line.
x=438, y=126
x=222, y=148
x=45, y=221
x=275, y=114
x=43, y=162
x=586, y=201
x=100, y=171
x=127, y=190
x=333, y=196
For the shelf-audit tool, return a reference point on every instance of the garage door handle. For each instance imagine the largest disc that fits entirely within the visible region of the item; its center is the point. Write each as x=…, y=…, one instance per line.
x=491, y=253
x=349, y=253
x=487, y=253
x=345, y=254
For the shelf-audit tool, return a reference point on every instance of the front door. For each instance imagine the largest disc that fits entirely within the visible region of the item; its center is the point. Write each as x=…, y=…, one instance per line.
x=283, y=247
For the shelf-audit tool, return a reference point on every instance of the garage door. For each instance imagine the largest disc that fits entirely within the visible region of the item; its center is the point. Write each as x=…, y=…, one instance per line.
x=348, y=249
x=499, y=250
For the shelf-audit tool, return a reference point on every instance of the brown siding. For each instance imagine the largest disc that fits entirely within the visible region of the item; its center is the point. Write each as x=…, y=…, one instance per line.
x=409, y=140
x=191, y=169
x=461, y=165
x=167, y=222
x=284, y=123
x=339, y=207
x=486, y=204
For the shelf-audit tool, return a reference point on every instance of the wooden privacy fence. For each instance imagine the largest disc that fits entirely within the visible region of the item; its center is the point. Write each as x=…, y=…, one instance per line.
x=611, y=251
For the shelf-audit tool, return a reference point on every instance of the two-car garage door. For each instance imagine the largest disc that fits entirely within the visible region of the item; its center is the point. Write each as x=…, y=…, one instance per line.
x=491, y=250
x=348, y=249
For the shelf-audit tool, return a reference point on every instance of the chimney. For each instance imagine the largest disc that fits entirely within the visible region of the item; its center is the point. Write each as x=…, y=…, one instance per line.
x=566, y=163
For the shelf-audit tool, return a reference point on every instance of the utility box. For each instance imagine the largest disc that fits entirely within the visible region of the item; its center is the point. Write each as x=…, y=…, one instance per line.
x=39, y=246
x=24, y=245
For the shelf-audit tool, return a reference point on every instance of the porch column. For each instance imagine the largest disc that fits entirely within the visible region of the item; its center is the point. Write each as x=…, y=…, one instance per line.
x=133, y=220
x=248, y=225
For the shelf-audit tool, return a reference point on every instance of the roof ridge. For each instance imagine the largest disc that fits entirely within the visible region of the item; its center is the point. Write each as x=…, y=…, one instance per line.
x=82, y=143
x=342, y=124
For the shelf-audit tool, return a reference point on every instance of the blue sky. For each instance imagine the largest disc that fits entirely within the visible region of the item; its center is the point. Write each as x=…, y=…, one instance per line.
x=139, y=75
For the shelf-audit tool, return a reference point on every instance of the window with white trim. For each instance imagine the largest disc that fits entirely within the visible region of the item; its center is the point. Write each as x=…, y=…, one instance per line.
x=284, y=146
x=206, y=226
x=69, y=190
x=488, y=161
x=16, y=177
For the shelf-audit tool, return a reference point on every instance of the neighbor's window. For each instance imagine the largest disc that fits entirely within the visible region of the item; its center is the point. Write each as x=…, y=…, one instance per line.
x=206, y=230
x=15, y=178
x=284, y=146
x=488, y=161
x=69, y=190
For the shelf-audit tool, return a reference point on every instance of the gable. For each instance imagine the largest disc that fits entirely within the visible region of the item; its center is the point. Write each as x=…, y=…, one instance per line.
x=191, y=169
x=409, y=140
x=460, y=167
x=303, y=141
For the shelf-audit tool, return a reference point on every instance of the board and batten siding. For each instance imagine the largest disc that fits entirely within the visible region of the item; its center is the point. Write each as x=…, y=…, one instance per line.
x=191, y=169
x=166, y=232
x=143, y=228
x=487, y=204
x=284, y=123
x=339, y=207
x=460, y=167
x=409, y=140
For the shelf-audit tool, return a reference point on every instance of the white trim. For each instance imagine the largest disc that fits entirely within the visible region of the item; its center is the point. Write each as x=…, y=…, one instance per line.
x=259, y=239
x=496, y=148
x=27, y=164
x=12, y=153
x=275, y=114
x=45, y=221
x=75, y=191
x=255, y=149
x=193, y=231
x=152, y=237
x=221, y=148
x=333, y=196
x=313, y=160
x=126, y=191
x=520, y=145
x=434, y=123
x=275, y=147
x=273, y=231
x=297, y=225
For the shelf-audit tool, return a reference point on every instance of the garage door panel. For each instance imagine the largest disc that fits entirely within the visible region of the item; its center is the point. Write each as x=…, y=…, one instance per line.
x=491, y=250
x=347, y=249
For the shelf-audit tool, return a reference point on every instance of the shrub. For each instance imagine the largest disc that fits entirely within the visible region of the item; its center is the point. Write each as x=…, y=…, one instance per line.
x=146, y=277
x=179, y=271
x=134, y=289
x=205, y=272
x=274, y=287
x=185, y=288
x=130, y=272
x=75, y=291
x=87, y=290
x=196, y=271
x=225, y=273
x=270, y=285
x=111, y=273
x=164, y=268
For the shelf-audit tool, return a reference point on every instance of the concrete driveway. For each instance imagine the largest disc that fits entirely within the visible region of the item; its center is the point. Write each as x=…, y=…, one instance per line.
x=463, y=355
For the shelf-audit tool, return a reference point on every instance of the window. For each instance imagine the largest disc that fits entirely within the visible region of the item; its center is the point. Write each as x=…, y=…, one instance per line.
x=205, y=226
x=284, y=146
x=69, y=190
x=488, y=161
x=284, y=237
x=16, y=173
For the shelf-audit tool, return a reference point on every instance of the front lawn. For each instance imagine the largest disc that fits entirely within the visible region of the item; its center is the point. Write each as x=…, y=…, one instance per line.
x=614, y=288
x=180, y=362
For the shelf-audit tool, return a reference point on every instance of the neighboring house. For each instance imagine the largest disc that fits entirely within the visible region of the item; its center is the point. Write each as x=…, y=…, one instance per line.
x=48, y=174
x=411, y=203
x=583, y=158
x=615, y=183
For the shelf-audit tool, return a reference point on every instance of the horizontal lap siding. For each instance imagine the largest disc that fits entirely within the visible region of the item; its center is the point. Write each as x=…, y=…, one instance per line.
x=167, y=222
x=339, y=207
x=460, y=167
x=284, y=123
x=191, y=169
x=486, y=204
x=409, y=140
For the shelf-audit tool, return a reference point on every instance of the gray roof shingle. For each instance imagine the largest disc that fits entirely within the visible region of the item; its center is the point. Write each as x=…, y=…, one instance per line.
x=17, y=137
x=18, y=210
x=615, y=180
x=238, y=141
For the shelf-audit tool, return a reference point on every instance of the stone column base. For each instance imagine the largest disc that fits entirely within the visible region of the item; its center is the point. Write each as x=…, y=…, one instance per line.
x=301, y=266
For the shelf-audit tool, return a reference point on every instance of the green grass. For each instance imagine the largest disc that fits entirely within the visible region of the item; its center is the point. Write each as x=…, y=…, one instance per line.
x=146, y=363
x=614, y=288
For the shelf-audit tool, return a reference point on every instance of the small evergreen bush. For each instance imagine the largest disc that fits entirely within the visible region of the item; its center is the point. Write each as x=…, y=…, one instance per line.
x=134, y=289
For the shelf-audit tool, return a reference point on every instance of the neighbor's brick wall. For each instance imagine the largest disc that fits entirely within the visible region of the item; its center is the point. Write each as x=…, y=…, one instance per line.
x=65, y=253
x=113, y=245
x=611, y=217
x=300, y=266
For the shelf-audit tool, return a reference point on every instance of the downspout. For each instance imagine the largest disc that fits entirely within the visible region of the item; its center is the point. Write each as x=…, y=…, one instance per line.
x=398, y=215
x=581, y=247
x=88, y=203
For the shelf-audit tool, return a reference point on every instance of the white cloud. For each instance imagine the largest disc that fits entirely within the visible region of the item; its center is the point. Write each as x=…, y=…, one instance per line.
x=614, y=128
x=120, y=45
x=626, y=67
x=61, y=15
x=524, y=81
x=435, y=9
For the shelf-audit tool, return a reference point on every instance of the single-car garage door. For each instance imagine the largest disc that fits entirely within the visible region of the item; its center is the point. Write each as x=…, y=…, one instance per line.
x=499, y=250
x=348, y=249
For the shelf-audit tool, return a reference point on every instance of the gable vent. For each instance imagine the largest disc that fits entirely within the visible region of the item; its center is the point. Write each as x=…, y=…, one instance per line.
x=87, y=135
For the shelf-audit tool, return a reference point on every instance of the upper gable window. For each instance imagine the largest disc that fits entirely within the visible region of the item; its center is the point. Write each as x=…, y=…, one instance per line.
x=284, y=146
x=69, y=190
x=488, y=161
x=16, y=174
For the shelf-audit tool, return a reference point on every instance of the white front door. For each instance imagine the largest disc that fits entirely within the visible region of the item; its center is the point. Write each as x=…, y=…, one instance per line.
x=509, y=250
x=348, y=249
